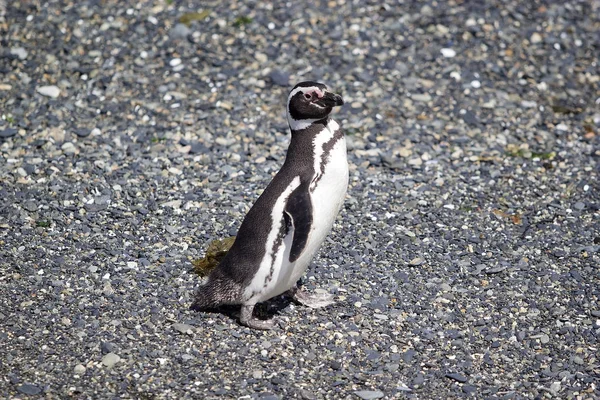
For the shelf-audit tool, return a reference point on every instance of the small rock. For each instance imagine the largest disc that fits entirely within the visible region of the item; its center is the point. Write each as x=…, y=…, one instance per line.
x=49, y=91
x=415, y=161
x=8, y=132
x=19, y=52
x=476, y=84
x=82, y=132
x=457, y=377
x=422, y=97
x=369, y=394
x=257, y=374
x=448, y=53
x=30, y=206
x=179, y=31
x=68, y=148
x=175, y=62
x=183, y=328
x=405, y=152
x=555, y=388
x=110, y=360
x=544, y=338
x=107, y=347
x=578, y=360
x=415, y=262
x=29, y=389
x=579, y=206
x=535, y=38
x=495, y=270
x=79, y=369
x=279, y=77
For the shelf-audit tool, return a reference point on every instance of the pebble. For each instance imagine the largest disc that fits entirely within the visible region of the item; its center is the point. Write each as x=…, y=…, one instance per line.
x=79, y=369
x=8, y=132
x=279, y=77
x=29, y=389
x=19, y=52
x=369, y=394
x=535, y=38
x=68, y=148
x=422, y=97
x=183, y=328
x=457, y=377
x=49, y=91
x=415, y=262
x=175, y=62
x=448, y=53
x=179, y=31
x=110, y=359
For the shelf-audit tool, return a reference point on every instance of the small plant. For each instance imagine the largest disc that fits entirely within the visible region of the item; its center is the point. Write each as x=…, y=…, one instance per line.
x=243, y=20
x=216, y=251
x=190, y=17
x=43, y=223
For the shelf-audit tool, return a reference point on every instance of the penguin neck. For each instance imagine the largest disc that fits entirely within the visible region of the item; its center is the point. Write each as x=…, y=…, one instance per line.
x=305, y=124
x=302, y=144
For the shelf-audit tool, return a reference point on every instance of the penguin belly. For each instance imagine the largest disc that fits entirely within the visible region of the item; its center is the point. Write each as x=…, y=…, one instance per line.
x=327, y=199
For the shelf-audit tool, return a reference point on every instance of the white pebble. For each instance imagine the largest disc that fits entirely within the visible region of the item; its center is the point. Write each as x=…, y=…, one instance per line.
x=175, y=62
x=448, y=53
x=49, y=91
x=476, y=84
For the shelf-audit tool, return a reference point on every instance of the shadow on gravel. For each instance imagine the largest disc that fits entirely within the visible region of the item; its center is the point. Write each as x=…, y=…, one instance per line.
x=264, y=311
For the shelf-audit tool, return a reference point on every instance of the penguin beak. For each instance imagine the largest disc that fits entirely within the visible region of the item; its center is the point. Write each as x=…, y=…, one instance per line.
x=330, y=100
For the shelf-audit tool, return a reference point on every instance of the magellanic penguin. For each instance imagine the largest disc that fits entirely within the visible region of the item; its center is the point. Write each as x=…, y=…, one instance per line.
x=290, y=220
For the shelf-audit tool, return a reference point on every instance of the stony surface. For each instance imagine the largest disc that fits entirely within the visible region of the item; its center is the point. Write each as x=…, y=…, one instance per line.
x=465, y=262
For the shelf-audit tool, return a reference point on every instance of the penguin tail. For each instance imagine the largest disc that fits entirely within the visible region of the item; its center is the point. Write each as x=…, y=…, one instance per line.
x=215, y=293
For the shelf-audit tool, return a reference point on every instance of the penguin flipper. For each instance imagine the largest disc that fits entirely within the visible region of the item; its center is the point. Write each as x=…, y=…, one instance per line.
x=299, y=211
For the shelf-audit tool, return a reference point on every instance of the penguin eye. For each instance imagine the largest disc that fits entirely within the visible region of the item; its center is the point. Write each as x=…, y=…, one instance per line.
x=307, y=96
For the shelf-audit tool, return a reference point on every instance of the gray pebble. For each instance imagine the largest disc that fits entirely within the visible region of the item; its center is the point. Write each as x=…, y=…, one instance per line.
x=29, y=389
x=183, y=328
x=369, y=394
x=179, y=31
x=279, y=77
x=457, y=377
x=8, y=132
x=110, y=359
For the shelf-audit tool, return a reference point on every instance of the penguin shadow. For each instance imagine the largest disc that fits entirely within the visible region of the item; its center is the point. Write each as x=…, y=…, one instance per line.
x=266, y=310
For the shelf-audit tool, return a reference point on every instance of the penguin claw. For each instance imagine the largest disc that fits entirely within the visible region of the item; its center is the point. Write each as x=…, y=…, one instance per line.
x=248, y=320
x=316, y=300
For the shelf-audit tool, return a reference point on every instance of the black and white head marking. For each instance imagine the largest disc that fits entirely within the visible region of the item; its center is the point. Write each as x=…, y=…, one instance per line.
x=309, y=102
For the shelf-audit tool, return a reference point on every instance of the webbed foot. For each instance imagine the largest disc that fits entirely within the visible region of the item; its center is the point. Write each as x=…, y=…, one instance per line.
x=248, y=320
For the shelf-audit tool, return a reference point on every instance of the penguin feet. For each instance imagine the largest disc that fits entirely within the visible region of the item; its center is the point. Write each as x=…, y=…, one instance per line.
x=316, y=300
x=248, y=320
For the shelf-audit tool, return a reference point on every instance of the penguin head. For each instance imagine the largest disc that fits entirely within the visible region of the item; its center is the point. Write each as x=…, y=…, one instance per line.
x=310, y=101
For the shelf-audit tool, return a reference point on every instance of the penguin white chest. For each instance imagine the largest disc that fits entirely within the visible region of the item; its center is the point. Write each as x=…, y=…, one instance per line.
x=327, y=191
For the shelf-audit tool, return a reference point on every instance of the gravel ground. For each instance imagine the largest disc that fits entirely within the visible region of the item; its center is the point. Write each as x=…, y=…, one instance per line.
x=466, y=262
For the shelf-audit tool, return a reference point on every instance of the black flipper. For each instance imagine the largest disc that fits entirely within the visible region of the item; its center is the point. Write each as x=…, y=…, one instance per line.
x=299, y=210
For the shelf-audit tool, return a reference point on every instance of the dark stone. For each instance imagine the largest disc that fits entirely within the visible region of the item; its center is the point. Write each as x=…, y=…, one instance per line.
x=470, y=118
x=336, y=365
x=29, y=389
x=457, y=377
x=108, y=347
x=279, y=77
x=8, y=132
x=83, y=132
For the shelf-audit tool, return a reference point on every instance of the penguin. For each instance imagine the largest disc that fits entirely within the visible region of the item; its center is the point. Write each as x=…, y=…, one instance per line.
x=287, y=224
